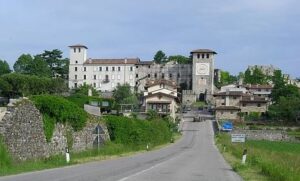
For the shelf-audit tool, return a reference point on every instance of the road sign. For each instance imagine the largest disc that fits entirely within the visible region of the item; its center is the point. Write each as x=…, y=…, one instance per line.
x=238, y=138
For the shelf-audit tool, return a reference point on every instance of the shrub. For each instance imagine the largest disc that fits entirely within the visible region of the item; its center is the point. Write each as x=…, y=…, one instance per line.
x=49, y=125
x=5, y=159
x=80, y=100
x=61, y=110
x=137, y=132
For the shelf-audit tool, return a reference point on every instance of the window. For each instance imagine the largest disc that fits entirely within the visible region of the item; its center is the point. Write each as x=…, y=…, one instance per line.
x=106, y=68
x=79, y=50
x=222, y=112
x=106, y=77
x=202, y=55
x=136, y=83
x=84, y=68
x=112, y=77
x=170, y=75
x=207, y=55
x=162, y=75
x=178, y=75
x=75, y=77
x=75, y=68
x=231, y=112
x=119, y=69
x=148, y=66
x=234, y=97
x=244, y=105
x=223, y=97
x=84, y=77
x=74, y=50
x=149, y=76
x=155, y=75
x=198, y=55
x=119, y=77
x=259, y=90
x=76, y=61
x=136, y=75
x=131, y=68
x=136, y=67
x=94, y=84
x=258, y=105
x=113, y=68
x=130, y=77
x=95, y=77
x=100, y=69
x=75, y=85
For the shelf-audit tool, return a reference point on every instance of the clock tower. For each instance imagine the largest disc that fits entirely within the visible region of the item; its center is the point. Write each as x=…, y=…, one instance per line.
x=203, y=73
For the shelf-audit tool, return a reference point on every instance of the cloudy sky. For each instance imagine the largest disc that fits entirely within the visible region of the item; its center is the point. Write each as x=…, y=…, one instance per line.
x=243, y=32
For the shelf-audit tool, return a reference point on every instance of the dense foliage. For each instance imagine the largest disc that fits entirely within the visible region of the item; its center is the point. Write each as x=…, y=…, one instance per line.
x=160, y=57
x=255, y=76
x=180, y=59
x=136, y=132
x=84, y=90
x=4, y=67
x=124, y=95
x=80, y=100
x=226, y=79
x=15, y=84
x=61, y=110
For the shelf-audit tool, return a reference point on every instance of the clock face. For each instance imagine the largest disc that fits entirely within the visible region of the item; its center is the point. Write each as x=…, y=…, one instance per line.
x=202, y=69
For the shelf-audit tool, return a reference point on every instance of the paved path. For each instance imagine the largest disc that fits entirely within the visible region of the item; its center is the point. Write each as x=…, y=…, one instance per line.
x=192, y=158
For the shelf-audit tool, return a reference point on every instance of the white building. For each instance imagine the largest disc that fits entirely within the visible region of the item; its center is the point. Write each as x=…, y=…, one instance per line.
x=102, y=74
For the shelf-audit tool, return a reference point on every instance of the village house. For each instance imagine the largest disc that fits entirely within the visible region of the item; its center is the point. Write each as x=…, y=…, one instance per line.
x=162, y=97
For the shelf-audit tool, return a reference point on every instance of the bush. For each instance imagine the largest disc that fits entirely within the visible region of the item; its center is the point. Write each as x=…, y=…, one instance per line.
x=130, y=131
x=61, y=110
x=5, y=159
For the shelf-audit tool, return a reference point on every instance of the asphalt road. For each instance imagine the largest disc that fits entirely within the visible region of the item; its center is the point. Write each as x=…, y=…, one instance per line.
x=193, y=158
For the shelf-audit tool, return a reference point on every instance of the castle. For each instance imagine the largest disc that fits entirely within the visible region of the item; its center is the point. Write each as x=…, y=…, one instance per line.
x=105, y=74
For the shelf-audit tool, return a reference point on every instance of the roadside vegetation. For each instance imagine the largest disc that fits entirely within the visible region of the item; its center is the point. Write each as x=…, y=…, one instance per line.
x=266, y=160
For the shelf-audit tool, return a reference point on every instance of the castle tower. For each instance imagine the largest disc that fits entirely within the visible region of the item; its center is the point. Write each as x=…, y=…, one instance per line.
x=78, y=55
x=203, y=73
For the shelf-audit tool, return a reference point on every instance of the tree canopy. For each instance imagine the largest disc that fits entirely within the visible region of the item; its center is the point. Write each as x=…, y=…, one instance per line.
x=255, y=76
x=124, y=95
x=4, y=67
x=160, y=57
x=84, y=90
x=180, y=59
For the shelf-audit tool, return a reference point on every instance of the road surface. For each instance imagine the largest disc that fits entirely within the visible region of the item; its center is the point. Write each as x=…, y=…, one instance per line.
x=193, y=158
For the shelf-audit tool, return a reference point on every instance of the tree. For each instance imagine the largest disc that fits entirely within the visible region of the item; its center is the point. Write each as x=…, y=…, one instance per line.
x=255, y=76
x=160, y=57
x=26, y=64
x=84, y=90
x=5, y=88
x=180, y=59
x=286, y=108
x=123, y=95
x=4, y=67
x=22, y=65
x=58, y=65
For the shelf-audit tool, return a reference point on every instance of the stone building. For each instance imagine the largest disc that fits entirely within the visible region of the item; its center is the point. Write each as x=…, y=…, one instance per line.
x=105, y=74
x=161, y=96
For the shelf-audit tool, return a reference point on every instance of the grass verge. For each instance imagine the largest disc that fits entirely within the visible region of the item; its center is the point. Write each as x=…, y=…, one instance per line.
x=266, y=160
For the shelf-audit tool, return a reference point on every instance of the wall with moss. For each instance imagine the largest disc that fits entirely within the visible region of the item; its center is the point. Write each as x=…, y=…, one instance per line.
x=23, y=133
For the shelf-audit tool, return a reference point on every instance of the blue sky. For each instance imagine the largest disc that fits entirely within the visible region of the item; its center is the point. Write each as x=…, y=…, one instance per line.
x=243, y=32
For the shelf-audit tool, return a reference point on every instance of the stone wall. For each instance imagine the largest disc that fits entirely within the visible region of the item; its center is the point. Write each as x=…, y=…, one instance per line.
x=271, y=135
x=22, y=130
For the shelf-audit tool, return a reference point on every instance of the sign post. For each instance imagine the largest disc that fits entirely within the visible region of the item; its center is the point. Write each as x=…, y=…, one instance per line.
x=238, y=138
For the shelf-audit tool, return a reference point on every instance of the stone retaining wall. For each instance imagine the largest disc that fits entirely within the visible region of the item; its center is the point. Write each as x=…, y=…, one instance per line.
x=22, y=132
x=271, y=135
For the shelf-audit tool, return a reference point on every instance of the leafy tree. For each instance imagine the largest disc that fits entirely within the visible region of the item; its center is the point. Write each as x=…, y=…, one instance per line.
x=123, y=95
x=180, y=59
x=4, y=67
x=5, y=88
x=57, y=64
x=286, y=108
x=226, y=79
x=84, y=90
x=160, y=57
x=26, y=64
x=22, y=65
x=255, y=76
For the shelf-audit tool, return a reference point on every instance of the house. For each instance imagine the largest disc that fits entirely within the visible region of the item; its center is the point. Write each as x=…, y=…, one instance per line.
x=162, y=97
x=229, y=103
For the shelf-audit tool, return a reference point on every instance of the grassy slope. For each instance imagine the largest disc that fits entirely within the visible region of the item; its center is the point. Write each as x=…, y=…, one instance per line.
x=266, y=160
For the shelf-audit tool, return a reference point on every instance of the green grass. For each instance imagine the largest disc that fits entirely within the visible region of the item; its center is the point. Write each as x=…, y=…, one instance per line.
x=278, y=161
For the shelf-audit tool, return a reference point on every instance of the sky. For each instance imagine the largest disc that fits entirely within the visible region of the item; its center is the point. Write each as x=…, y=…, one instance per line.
x=242, y=32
